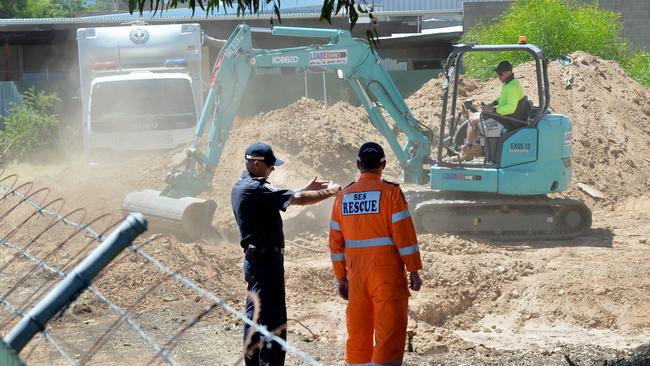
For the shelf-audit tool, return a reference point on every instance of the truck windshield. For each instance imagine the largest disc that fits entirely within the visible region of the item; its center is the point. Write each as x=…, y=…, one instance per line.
x=142, y=97
x=142, y=105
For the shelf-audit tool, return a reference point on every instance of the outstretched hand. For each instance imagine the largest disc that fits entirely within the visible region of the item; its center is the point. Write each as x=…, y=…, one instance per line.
x=316, y=185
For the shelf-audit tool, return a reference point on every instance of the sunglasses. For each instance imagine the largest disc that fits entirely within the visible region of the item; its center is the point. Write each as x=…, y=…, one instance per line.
x=271, y=166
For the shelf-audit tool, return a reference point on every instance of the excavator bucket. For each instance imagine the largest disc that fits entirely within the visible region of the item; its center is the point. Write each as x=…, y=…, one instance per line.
x=188, y=218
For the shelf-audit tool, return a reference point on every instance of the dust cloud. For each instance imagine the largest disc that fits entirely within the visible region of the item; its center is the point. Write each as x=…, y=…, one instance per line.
x=482, y=302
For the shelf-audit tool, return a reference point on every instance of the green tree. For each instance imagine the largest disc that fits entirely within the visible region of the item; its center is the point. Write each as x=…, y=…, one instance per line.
x=12, y=9
x=55, y=8
x=350, y=7
x=30, y=125
x=41, y=8
x=558, y=27
x=111, y=5
x=638, y=66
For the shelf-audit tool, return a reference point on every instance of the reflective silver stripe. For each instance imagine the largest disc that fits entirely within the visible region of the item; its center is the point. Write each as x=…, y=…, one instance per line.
x=409, y=250
x=337, y=257
x=401, y=216
x=335, y=226
x=367, y=243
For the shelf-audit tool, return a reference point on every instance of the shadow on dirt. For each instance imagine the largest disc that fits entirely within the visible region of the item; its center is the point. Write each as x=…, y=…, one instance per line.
x=639, y=356
x=598, y=237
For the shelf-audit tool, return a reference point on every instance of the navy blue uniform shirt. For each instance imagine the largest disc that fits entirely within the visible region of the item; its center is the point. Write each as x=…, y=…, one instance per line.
x=256, y=205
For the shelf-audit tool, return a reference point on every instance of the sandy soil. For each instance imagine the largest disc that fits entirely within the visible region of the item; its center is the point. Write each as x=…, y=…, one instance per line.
x=489, y=303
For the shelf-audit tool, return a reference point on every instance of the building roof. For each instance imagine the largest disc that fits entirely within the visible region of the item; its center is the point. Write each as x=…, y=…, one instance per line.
x=445, y=32
x=426, y=36
x=185, y=15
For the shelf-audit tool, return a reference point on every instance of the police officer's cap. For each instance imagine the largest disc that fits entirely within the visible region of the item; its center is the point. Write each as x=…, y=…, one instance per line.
x=371, y=155
x=503, y=66
x=263, y=152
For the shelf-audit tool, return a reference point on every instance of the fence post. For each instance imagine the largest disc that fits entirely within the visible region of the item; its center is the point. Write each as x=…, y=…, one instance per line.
x=306, y=88
x=324, y=88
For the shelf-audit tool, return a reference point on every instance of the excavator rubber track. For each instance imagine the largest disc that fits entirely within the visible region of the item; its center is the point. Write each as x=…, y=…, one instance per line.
x=498, y=217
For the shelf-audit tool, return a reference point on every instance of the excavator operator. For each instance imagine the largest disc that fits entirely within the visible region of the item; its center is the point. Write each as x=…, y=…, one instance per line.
x=372, y=239
x=512, y=102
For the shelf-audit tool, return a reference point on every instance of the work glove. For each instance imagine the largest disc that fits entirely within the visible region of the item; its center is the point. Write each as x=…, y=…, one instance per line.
x=343, y=287
x=415, y=282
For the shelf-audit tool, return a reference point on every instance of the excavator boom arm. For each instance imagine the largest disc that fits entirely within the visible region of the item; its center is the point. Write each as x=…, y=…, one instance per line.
x=176, y=210
x=470, y=210
x=353, y=60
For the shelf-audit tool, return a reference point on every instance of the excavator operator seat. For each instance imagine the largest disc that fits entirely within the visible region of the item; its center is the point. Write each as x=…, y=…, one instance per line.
x=493, y=128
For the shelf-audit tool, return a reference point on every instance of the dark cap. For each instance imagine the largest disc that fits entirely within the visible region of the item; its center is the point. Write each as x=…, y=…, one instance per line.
x=263, y=152
x=371, y=155
x=503, y=66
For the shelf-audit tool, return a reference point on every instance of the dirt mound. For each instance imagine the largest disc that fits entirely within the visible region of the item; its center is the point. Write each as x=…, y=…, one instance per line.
x=307, y=134
x=313, y=139
x=611, y=117
x=457, y=286
x=480, y=299
x=610, y=114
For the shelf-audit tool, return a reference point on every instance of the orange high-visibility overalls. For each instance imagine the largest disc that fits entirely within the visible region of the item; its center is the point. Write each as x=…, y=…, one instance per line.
x=372, y=238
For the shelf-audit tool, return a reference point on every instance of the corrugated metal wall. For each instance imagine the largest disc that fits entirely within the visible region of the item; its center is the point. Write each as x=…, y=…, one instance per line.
x=405, y=5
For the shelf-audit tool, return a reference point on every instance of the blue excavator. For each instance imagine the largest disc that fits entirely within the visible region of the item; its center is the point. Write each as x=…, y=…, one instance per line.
x=502, y=196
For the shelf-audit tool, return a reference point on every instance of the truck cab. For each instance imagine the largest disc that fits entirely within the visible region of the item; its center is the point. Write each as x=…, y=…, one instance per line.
x=141, y=86
x=141, y=111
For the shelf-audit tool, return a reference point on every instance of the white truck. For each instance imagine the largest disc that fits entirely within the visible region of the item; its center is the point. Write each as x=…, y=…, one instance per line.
x=141, y=86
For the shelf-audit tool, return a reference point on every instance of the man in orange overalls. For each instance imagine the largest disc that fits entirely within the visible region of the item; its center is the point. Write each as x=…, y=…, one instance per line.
x=371, y=239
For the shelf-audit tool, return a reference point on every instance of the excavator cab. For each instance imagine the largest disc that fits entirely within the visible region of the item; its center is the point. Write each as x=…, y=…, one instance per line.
x=504, y=194
x=531, y=157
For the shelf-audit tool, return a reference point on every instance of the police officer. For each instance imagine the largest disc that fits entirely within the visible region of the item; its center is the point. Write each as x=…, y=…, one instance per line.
x=257, y=205
x=372, y=241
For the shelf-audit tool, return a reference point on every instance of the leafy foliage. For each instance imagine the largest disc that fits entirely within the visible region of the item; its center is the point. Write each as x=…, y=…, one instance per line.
x=30, y=125
x=12, y=9
x=55, y=8
x=638, y=67
x=558, y=27
x=41, y=8
x=350, y=7
x=111, y=5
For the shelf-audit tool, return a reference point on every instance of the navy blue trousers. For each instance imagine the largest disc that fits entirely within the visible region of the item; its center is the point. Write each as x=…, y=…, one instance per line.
x=264, y=274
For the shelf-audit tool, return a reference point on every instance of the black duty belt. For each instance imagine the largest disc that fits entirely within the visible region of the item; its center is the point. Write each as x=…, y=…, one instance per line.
x=263, y=250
